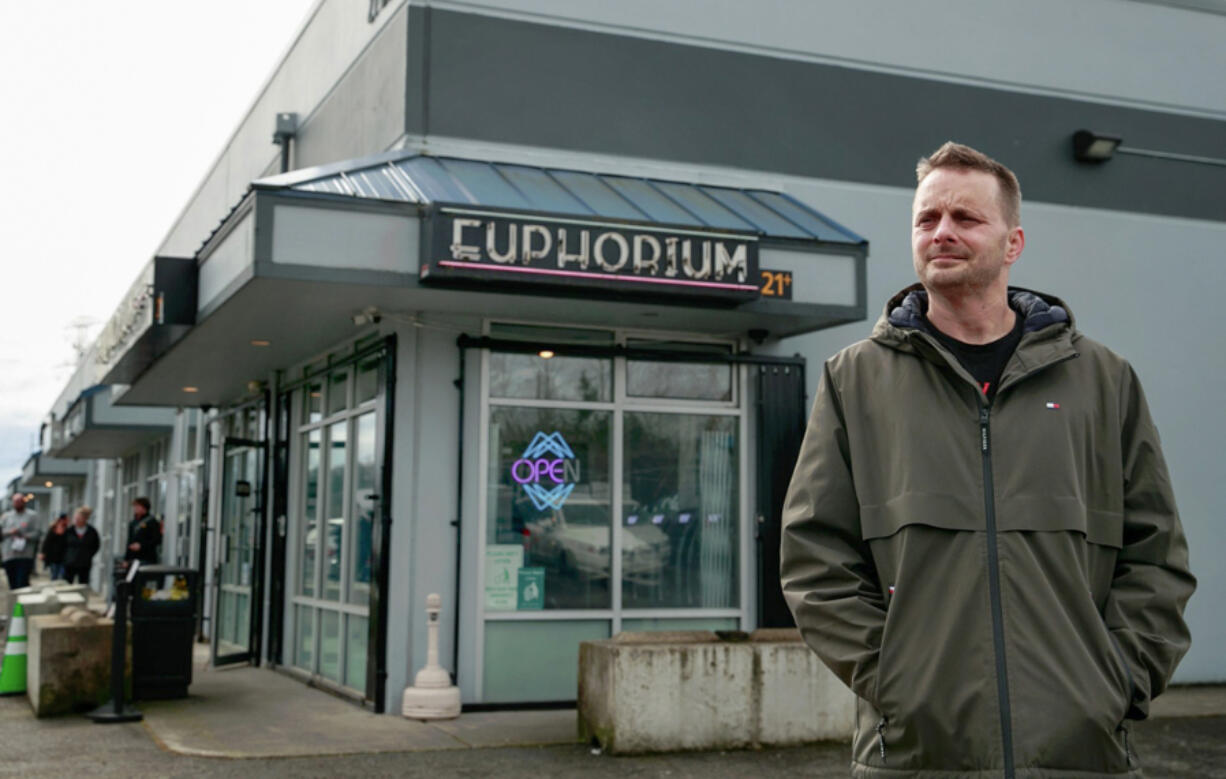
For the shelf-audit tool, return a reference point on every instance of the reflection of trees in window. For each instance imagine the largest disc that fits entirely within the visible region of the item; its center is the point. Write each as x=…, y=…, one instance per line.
x=558, y=378
x=682, y=473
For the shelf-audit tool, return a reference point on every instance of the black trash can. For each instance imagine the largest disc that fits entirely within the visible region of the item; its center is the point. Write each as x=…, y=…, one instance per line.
x=164, y=600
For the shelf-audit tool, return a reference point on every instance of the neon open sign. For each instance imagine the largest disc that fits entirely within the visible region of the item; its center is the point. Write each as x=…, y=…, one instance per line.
x=547, y=470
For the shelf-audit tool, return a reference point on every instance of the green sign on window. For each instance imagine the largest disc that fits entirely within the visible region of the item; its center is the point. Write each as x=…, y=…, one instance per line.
x=531, y=589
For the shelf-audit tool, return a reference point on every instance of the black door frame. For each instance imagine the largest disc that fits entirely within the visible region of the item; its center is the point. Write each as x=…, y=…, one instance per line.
x=376, y=645
x=255, y=614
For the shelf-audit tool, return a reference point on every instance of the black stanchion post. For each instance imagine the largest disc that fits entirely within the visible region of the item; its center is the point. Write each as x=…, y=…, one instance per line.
x=113, y=710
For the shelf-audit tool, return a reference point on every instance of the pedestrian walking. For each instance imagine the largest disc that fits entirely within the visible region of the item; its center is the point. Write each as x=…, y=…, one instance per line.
x=980, y=537
x=82, y=543
x=18, y=537
x=52, y=550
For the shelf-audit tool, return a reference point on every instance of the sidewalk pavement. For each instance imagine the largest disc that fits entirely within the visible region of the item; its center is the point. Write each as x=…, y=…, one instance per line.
x=281, y=728
x=249, y=712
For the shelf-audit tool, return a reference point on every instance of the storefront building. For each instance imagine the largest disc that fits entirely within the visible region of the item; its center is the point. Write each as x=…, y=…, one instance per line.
x=532, y=314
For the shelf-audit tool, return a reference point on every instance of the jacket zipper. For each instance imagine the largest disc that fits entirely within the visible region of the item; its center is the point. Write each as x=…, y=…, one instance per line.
x=998, y=626
x=881, y=737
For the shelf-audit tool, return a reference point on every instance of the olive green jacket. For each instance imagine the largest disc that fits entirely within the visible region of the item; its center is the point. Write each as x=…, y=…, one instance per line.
x=1001, y=585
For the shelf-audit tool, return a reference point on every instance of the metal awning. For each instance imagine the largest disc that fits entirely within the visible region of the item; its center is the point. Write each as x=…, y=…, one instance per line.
x=405, y=232
x=414, y=178
x=41, y=470
x=93, y=427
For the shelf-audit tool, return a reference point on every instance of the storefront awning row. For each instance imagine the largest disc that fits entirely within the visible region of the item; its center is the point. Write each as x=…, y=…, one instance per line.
x=42, y=470
x=94, y=427
x=304, y=253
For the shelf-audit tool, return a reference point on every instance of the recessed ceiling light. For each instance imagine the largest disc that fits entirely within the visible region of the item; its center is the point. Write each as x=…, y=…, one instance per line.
x=545, y=354
x=191, y=389
x=260, y=342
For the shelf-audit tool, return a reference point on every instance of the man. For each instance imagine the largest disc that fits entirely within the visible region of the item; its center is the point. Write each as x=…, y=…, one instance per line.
x=980, y=538
x=81, y=543
x=18, y=542
x=144, y=534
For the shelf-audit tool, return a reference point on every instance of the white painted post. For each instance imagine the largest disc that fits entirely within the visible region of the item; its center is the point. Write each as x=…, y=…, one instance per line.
x=432, y=695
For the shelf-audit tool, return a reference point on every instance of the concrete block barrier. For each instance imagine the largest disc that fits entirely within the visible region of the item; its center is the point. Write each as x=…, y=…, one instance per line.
x=69, y=662
x=658, y=692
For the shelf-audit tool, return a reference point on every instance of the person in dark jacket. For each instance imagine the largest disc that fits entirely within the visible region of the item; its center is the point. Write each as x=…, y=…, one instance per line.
x=144, y=534
x=980, y=537
x=52, y=551
x=80, y=545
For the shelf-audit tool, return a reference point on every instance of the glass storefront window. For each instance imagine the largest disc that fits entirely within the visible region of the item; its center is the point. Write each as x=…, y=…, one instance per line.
x=310, y=515
x=550, y=508
x=366, y=385
x=678, y=380
x=365, y=490
x=680, y=524
x=338, y=400
x=356, y=631
x=335, y=516
x=557, y=378
x=338, y=436
x=312, y=403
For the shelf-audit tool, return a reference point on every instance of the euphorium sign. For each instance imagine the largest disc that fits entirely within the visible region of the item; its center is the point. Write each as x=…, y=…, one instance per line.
x=562, y=252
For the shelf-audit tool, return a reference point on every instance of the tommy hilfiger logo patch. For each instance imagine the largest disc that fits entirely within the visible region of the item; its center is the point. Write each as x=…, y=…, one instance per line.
x=1053, y=405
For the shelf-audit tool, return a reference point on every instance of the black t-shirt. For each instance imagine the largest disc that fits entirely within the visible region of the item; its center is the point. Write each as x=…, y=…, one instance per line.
x=984, y=362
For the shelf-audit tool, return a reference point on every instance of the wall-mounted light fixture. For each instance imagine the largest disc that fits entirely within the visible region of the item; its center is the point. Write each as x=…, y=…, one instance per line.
x=545, y=354
x=1089, y=146
x=284, y=134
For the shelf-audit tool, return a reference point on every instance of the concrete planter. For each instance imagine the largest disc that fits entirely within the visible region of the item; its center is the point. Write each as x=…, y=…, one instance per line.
x=665, y=692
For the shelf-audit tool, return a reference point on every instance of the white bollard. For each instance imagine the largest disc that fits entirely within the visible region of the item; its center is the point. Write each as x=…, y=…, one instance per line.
x=432, y=695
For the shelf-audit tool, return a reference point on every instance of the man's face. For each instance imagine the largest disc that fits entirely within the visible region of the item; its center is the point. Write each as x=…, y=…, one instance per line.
x=139, y=511
x=19, y=502
x=79, y=519
x=960, y=241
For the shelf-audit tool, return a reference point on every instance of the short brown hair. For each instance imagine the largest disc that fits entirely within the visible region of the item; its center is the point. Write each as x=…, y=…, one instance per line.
x=956, y=155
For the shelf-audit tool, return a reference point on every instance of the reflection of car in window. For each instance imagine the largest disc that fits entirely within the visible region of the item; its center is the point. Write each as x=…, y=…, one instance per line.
x=576, y=540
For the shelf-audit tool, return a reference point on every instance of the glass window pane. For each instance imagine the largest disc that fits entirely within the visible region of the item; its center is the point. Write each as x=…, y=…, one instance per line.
x=335, y=516
x=680, y=523
x=337, y=399
x=682, y=380
x=550, y=507
x=304, y=638
x=330, y=645
x=536, y=661
x=365, y=490
x=310, y=516
x=686, y=381
x=356, y=630
x=312, y=403
x=558, y=378
x=367, y=385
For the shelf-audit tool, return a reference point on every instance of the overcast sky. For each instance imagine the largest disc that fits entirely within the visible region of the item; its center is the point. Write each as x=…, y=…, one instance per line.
x=112, y=114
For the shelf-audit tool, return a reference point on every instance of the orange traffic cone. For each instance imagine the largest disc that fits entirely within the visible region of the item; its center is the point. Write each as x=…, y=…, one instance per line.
x=13, y=672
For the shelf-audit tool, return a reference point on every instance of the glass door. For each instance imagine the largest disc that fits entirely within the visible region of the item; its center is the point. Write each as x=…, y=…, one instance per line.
x=236, y=578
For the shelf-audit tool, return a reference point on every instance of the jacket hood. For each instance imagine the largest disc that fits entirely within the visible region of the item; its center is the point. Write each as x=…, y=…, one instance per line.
x=904, y=314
